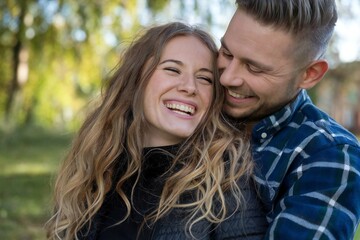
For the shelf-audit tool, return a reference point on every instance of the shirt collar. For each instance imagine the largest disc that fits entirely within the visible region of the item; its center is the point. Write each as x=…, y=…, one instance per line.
x=273, y=123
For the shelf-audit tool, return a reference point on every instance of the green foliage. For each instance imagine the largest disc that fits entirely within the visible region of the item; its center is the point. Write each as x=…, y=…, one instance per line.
x=68, y=56
x=157, y=5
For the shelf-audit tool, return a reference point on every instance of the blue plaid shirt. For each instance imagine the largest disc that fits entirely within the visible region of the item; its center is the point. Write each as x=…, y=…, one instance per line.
x=308, y=169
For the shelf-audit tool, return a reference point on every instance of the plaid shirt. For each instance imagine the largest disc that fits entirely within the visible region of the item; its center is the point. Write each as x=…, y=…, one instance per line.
x=308, y=169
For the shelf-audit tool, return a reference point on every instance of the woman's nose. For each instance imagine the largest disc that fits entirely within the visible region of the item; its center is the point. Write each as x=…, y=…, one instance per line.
x=188, y=85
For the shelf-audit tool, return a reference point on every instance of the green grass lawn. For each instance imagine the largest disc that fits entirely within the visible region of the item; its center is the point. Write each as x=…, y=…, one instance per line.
x=28, y=160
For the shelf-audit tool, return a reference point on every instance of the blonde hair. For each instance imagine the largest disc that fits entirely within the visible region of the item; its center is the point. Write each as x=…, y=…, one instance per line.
x=115, y=127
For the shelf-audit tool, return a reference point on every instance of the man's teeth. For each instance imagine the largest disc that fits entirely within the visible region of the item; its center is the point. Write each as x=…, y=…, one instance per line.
x=181, y=108
x=236, y=95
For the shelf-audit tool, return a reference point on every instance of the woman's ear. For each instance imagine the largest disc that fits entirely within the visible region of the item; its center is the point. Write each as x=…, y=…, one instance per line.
x=314, y=73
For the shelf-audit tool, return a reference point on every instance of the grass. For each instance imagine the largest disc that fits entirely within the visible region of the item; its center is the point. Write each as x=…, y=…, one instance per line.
x=28, y=161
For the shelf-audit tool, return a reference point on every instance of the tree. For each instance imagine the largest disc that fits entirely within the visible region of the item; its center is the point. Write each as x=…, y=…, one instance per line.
x=55, y=53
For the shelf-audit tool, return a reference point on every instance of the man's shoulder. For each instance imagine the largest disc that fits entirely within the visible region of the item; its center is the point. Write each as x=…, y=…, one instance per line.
x=312, y=123
x=307, y=127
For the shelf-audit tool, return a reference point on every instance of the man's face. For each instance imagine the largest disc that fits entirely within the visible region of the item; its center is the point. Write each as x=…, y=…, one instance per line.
x=258, y=68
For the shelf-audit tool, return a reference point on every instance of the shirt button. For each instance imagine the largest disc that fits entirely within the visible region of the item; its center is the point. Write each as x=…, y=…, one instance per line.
x=263, y=135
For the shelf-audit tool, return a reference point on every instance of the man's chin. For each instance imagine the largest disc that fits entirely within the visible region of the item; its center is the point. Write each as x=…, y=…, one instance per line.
x=237, y=122
x=241, y=119
x=232, y=114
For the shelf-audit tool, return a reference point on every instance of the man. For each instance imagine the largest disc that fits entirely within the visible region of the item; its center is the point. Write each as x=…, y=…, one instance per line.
x=308, y=166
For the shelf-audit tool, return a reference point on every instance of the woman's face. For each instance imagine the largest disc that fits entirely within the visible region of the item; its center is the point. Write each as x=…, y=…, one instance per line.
x=179, y=91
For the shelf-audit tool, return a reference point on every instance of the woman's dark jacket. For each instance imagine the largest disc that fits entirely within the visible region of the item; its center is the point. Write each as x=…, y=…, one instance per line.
x=248, y=222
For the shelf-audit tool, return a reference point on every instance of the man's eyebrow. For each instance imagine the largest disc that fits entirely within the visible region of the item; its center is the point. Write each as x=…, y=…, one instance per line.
x=248, y=60
x=261, y=66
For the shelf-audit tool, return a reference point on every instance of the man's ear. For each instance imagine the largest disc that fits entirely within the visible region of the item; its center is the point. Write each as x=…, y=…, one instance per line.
x=314, y=73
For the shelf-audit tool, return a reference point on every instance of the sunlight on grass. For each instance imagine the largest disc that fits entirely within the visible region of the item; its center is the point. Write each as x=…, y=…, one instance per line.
x=28, y=168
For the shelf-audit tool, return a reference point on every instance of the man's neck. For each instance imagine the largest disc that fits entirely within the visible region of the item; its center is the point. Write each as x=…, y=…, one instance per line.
x=242, y=124
x=248, y=128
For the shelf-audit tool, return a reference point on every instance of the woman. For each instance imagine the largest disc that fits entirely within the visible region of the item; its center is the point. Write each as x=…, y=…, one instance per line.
x=148, y=162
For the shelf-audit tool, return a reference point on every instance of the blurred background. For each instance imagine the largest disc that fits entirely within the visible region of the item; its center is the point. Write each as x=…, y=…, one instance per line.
x=55, y=55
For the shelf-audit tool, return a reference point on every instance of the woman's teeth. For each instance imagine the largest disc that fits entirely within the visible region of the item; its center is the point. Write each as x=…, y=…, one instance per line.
x=182, y=109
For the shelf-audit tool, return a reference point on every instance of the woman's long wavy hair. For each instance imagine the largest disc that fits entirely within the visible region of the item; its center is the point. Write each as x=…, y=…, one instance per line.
x=116, y=126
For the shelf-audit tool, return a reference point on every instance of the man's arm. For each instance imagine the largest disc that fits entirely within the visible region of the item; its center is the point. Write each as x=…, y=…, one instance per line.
x=319, y=198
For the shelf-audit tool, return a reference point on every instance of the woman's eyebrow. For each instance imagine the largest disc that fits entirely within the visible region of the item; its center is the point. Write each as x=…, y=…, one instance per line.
x=205, y=70
x=172, y=60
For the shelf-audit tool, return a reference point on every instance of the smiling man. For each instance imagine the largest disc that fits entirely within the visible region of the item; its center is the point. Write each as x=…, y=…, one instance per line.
x=308, y=166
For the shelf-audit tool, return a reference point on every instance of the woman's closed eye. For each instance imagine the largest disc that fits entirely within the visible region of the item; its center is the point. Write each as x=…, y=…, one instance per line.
x=176, y=71
x=172, y=70
x=205, y=79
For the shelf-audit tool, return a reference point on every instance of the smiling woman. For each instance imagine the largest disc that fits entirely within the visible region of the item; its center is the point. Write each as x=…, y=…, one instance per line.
x=179, y=91
x=156, y=159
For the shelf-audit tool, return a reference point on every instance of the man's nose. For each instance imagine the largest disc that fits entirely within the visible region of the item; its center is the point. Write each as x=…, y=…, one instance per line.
x=230, y=73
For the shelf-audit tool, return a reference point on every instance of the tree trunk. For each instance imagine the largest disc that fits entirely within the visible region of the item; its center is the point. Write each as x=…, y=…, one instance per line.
x=18, y=56
x=14, y=85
